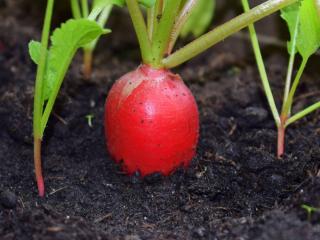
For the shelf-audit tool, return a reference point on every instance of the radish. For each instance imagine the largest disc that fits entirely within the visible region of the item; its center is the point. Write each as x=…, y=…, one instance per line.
x=151, y=117
x=152, y=121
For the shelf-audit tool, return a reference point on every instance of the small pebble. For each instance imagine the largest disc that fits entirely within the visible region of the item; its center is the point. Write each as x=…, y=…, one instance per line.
x=256, y=114
x=8, y=199
x=276, y=180
x=200, y=232
x=132, y=237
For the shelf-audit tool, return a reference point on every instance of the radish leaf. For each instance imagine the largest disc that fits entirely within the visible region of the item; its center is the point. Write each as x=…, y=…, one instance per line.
x=64, y=43
x=308, y=36
x=35, y=52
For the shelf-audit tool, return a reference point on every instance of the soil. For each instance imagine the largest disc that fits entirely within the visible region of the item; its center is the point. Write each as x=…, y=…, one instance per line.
x=235, y=187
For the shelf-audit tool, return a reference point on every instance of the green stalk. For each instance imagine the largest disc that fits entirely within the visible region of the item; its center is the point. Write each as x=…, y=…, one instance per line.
x=141, y=30
x=218, y=34
x=286, y=109
x=288, y=104
x=150, y=18
x=303, y=113
x=262, y=69
x=291, y=63
x=38, y=93
x=103, y=18
x=89, y=48
x=94, y=13
x=75, y=8
x=85, y=8
x=179, y=23
x=157, y=14
x=55, y=91
x=317, y=3
x=162, y=35
x=87, y=62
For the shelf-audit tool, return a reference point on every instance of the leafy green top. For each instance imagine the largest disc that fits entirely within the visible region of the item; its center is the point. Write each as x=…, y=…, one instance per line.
x=64, y=43
x=303, y=19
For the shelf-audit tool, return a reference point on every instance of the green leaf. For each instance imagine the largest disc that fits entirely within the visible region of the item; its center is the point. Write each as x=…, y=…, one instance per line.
x=291, y=14
x=34, y=51
x=64, y=43
x=308, y=36
x=199, y=19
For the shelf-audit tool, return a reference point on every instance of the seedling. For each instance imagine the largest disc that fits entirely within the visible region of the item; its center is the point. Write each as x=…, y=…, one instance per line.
x=89, y=118
x=151, y=117
x=53, y=64
x=304, y=26
x=309, y=210
x=100, y=12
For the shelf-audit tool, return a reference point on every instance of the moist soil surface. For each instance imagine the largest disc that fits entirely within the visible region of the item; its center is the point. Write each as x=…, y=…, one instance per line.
x=235, y=187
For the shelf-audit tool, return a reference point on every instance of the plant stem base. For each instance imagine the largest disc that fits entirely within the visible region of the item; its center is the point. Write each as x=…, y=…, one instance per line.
x=37, y=164
x=281, y=136
x=87, y=61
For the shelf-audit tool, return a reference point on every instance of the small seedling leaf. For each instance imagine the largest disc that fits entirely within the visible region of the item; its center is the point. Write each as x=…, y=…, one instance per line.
x=34, y=51
x=199, y=19
x=308, y=36
x=66, y=40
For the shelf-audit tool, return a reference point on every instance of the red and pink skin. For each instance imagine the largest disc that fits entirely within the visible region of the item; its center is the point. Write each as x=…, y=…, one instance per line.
x=151, y=121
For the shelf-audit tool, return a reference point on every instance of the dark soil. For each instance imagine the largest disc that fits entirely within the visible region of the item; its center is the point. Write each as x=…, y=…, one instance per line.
x=234, y=189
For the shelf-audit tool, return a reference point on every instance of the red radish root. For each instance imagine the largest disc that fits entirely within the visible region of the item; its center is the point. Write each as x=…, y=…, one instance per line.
x=151, y=121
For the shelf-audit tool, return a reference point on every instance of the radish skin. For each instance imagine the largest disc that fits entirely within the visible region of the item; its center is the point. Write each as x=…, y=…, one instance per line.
x=151, y=121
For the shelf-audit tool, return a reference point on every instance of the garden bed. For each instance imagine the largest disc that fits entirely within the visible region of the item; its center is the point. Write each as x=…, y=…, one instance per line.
x=235, y=187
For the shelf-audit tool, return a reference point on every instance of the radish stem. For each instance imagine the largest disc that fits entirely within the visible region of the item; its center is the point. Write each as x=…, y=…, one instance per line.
x=85, y=8
x=141, y=30
x=162, y=34
x=150, y=17
x=157, y=14
x=288, y=104
x=179, y=23
x=75, y=8
x=291, y=63
x=37, y=165
x=281, y=137
x=216, y=35
x=38, y=93
x=303, y=113
x=87, y=63
x=262, y=69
